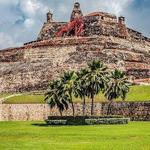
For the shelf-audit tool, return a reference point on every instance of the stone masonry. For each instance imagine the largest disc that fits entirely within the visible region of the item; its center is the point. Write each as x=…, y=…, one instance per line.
x=98, y=35
x=97, y=23
x=13, y=112
x=30, y=67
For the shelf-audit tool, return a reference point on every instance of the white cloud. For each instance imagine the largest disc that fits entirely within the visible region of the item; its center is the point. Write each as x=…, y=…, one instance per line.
x=113, y=6
x=7, y=41
x=31, y=8
x=29, y=23
x=116, y=6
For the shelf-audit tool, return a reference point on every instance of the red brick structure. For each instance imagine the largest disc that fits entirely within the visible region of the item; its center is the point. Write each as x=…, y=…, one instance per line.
x=62, y=46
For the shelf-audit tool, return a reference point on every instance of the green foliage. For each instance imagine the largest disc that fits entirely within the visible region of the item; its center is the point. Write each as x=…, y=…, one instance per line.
x=81, y=120
x=118, y=86
x=71, y=120
x=56, y=96
x=81, y=117
x=96, y=79
x=82, y=86
x=68, y=81
x=56, y=122
x=107, y=121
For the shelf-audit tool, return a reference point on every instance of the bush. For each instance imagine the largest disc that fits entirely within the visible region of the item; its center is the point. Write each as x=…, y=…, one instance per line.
x=56, y=122
x=107, y=121
x=78, y=120
x=85, y=120
x=81, y=117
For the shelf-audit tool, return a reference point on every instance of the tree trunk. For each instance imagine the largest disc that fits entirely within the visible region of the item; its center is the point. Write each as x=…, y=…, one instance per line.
x=92, y=105
x=73, y=111
x=84, y=106
x=72, y=105
x=60, y=113
x=109, y=107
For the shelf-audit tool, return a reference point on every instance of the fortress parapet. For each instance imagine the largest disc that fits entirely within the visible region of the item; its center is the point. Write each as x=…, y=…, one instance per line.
x=93, y=24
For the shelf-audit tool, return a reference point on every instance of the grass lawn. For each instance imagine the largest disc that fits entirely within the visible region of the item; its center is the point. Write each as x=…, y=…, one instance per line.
x=25, y=99
x=2, y=95
x=137, y=93
x=26, y=136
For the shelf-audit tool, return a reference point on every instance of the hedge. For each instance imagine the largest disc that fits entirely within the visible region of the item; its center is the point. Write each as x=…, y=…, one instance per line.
x=86, y=120
x=82, y=117
x=56, y=122
x=107, y=121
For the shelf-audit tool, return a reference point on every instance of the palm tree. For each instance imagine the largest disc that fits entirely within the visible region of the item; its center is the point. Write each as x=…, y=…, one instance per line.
x=118, y=86
x=81, y=86
x=96, y=80
x=68, y=80
x=55, y=97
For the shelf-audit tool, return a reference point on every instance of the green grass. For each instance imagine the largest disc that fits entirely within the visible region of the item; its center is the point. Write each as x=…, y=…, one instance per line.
x=26, y=136
x=3, y=95
x=25, y=99
x=137, y=93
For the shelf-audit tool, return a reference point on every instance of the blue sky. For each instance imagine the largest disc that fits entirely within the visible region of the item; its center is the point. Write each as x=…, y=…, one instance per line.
x=21, y=20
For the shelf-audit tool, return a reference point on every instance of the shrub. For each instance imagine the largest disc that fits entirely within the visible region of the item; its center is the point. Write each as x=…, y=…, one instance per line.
x=85, y=120
x=56, y=122
x=78, y=120
x=107, y=121
x=81, y=117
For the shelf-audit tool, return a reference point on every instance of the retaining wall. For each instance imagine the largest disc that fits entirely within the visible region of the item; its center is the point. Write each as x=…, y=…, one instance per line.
x=24, y=112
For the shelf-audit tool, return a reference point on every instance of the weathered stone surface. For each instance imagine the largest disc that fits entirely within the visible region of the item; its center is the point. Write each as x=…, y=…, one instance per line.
x=93, y=24
x=134, y=110
x=104, y=37
x=39, y=62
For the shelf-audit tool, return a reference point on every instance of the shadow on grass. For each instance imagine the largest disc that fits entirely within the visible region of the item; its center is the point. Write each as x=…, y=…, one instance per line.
x=46, y=125
x=40, y=124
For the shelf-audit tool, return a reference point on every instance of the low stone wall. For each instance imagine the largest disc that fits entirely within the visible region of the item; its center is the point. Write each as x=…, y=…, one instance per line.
x=24, y=112
x=137, y=111
x=31, y=112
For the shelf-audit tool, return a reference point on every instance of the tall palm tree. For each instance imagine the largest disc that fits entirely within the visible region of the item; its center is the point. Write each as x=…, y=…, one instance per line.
x=96, y=80
x=68, y=80
x=118, y=86
x=81, y=86
x=55, y=96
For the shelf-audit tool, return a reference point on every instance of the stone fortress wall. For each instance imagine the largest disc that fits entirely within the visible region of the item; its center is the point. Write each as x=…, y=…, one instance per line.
x=137, y=111
x=104, y=37
x=31, y=67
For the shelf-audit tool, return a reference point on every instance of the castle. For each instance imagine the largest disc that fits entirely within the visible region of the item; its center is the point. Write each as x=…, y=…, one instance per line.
x=69, y=45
